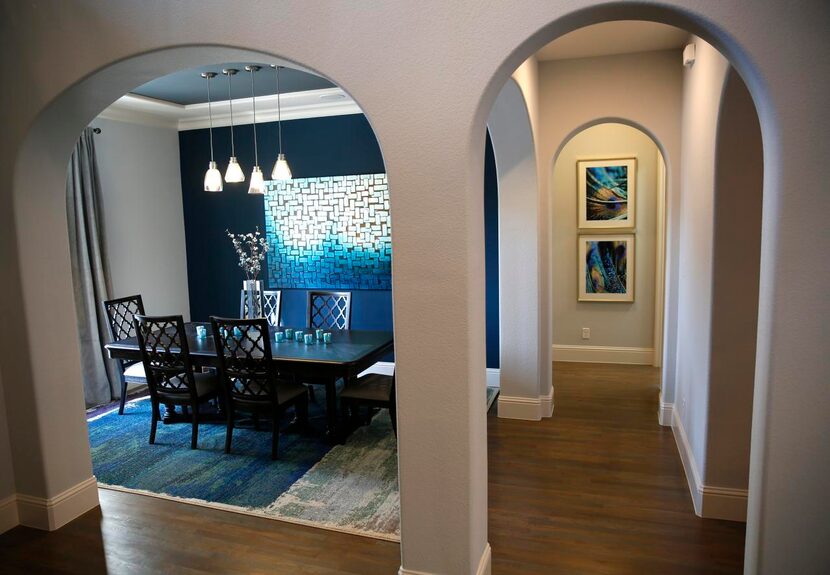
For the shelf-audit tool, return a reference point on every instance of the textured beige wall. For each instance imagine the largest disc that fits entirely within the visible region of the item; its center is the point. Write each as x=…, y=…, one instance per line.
x=425, y=115
x=738, y=197
x=612, y=324
x=702, y=88
x=141, y=189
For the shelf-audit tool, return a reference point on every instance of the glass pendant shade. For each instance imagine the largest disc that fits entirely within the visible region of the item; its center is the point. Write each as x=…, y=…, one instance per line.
x=213, y=179
x=234, y=172
x=257, y=182
x=281, y=170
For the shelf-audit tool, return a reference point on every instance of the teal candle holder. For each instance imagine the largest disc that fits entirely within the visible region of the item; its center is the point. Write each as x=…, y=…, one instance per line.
x=201, y=332
x=280, y=336
x=308, y=338
x=298, y=335
x=327, y=337
x=289, y=333
x=319, y=334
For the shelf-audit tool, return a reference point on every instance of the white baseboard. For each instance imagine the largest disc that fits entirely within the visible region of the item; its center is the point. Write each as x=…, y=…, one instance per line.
x=493, y=377
x=55, y=512
x=546, y=404
x=8, y=513
x=664, y=414
x=603, y=354
x=484, y=565
x=710, y=501
x=515, y=407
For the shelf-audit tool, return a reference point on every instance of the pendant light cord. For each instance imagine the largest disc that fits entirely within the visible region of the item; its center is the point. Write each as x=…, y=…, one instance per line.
x=279, y=109
x=230, y=102
x=253, y=98
x=210, y=116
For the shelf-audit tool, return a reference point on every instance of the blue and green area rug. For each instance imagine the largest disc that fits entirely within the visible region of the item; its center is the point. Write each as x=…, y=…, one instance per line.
x=351, y=488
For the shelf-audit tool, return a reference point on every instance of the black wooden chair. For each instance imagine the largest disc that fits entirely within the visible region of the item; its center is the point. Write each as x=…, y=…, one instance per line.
x=374, y=391
x=251, y=382
x=170, y=375
x=329, y=310
x=120, y=314
x=271, y=305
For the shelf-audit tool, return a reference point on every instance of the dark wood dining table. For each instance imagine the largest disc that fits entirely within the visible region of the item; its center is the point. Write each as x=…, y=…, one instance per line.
x=350, y=353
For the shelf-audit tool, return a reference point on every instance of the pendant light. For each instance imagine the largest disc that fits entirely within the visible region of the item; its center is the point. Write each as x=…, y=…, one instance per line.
x=257, y=184
x=234, y=172
x=281, y=170
x=213, y=179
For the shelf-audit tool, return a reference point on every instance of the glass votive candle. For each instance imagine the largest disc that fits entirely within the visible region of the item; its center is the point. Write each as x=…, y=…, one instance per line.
x=289, y=333
x=298, y=335
x=224, y=332
x=201, y=331
x=319, y=334
x=327, y=337
x=237, y=332
x=308, y=338
x=280, y=336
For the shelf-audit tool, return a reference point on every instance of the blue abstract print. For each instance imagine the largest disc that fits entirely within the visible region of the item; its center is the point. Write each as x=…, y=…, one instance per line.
x=606, y=193
x=329, y=232
x=606, y=267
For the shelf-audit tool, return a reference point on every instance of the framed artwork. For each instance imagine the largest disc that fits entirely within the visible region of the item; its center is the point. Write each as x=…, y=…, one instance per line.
x=606, y=270
x=607, y=190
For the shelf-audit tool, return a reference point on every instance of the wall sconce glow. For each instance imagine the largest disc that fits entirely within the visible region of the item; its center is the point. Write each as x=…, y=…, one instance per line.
x=257, y=182
x=213, y=179
x=234, y=172
x=281, y=170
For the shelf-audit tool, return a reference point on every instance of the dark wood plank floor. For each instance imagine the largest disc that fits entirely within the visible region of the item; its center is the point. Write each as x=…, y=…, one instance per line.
x=599, y=487
x=596, y=489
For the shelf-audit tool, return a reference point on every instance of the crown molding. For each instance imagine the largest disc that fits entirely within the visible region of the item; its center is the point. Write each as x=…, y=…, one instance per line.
x=295, y=106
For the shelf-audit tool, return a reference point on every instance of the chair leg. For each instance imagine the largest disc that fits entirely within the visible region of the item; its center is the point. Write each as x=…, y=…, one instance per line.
x=275, y=435
x=228, y=428
x=194, y=435
x=123, y=396
x=154, y=422
x=301, y=410
x=311, y=395
x=393, y=416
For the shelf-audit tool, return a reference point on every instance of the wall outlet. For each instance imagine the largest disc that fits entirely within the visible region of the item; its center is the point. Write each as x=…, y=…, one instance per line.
x=586, y=333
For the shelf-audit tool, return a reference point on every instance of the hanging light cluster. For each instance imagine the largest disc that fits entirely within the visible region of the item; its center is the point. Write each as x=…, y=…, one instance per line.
x=234, y=172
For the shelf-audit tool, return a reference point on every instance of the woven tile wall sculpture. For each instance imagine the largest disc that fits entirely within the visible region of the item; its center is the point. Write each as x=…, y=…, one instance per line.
x=330, y=232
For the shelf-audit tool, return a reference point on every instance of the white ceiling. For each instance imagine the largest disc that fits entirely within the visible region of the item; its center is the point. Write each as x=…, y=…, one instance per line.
x=622, y=37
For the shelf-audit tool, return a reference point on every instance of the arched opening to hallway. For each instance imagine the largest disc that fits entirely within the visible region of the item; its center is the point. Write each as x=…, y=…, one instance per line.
x=654, y=105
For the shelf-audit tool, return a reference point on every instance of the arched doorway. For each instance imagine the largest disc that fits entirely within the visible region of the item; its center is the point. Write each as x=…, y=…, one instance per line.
x=454, y=100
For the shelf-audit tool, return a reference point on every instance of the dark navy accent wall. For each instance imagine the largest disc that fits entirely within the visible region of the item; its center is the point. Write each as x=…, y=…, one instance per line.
x=491, y=253
x=332, y=146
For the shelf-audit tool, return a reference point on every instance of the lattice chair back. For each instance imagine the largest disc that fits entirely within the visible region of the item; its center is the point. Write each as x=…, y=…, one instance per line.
x=120, y=314
x=271, y=306
x=166, y=355
x=244, y=350
x=330, y=309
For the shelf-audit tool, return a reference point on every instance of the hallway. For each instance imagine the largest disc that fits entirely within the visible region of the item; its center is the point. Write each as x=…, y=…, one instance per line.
x=599, y=487
x=596, y=489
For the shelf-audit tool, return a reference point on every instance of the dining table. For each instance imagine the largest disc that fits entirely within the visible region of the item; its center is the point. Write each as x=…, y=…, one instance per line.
x=349, y=353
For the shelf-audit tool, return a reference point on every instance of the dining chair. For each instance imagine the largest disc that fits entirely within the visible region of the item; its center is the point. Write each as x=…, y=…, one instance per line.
x=170, y=375
x=250, y=379
x=271, y=305
x=329, y=309
x=374, y=391
x=120, y=313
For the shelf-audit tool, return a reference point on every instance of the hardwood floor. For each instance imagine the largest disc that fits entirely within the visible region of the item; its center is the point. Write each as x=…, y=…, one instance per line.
x=597, y=489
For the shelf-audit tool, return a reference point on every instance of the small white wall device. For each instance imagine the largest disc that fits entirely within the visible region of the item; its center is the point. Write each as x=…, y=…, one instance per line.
x=689, y=55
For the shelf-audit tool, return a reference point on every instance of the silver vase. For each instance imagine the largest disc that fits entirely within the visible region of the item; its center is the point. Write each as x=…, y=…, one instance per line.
x=251, y=299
